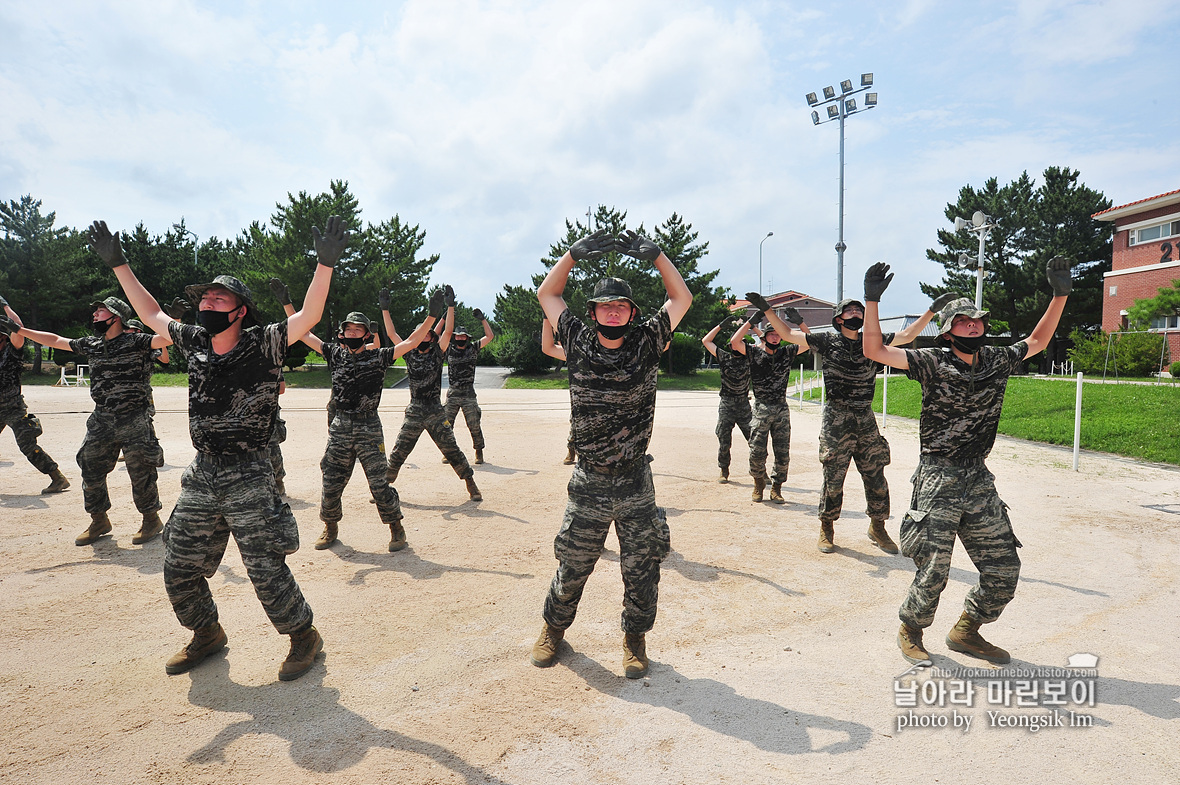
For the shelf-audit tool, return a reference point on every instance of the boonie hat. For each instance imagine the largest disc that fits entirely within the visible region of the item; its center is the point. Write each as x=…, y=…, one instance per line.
x=960, y=307
x=117, y=307
x=230, y=284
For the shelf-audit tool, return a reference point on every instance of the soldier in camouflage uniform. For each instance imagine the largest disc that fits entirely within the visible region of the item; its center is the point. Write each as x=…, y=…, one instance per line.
x=734, y=408
x=849, y=428
x=612, y=371
x=229, y=488
x=552, y=348
x=120, y=384
x=462, y=355
x=13, y=412
x=770, y=369
x=425, y=413
x=963, y=384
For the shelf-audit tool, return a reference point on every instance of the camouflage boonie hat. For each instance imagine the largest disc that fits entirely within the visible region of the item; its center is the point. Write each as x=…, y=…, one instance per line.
x=460, y=330
x=135, y=324
x=608, y=290
x=117, y=307
x=847, y=301
x=356, y=317
x=960, y=307
x=230, y=284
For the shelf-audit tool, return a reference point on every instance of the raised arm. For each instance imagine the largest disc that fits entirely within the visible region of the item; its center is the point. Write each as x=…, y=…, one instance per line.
x=14, y=328
x=877, y=279
x=643, y=249
x=736, y=341
x=1058, y=273
x=903, y=337
x=390, y=330
x=488, y=335
x=415, y=337
x=329, y=247
x=444, y=340
x=549, y=293
x=710, y=346
x=549, y=343
x=110, y=250
x=52, y=340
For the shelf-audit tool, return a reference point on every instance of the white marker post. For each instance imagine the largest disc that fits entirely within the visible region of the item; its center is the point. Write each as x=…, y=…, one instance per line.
x=1077, y=423
x=885, y=399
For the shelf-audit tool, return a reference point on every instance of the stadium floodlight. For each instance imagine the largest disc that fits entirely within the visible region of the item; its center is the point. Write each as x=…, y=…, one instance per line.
x=982, y=224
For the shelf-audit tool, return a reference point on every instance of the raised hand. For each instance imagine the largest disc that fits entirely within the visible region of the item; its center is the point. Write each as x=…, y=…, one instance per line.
x=479, y=315
x=106, y=245
x=637, y=246
x=449, y=296
x=941, y=301
x=383, y=298
x=3, y=302
x=793, y=315
x=437, y=306
x=7, y=326
x=329, y=246
x=1058, y=273
x=279, y=290
x=758, y=301
x=877, y=279
x=178, y=308
x=592, y=246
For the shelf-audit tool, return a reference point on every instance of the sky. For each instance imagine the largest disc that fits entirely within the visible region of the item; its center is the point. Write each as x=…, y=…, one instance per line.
x=490, y=124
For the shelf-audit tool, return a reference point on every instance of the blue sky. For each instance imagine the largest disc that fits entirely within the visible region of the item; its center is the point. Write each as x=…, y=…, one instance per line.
x=491, y=123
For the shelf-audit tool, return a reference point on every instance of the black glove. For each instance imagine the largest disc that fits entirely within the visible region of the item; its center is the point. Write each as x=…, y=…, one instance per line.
x=1057, y=271
x=756, y=317
x=279, y=290
x=877, y=279
x=637, y=247
x=728, y=321
x=758, y=301
x=329, y=246
x=449, y=296
x=941, y=301
x=3, y=303
x=106, y=245
x=8, y=326
x=793, y=315
x=178, y=308
x=592, y=246
x=437, y=306
x=478, y=314
x=383, y=298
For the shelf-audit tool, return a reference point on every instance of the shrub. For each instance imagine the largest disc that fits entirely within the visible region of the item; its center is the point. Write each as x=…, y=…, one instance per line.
x=1175, y=370
x=522, y=353
x=685, y=354
x=1128, y=354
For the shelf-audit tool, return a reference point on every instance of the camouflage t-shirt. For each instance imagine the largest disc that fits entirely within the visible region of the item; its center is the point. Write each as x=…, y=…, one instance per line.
x=10, y=371
x=961, y=408
x=424, y=371
x=461, y=366
x=849, y=376
x=357, y=379
x=120, y=371
x=613, y=391
x=233, y=398
x=769, y=373
x=735, y=373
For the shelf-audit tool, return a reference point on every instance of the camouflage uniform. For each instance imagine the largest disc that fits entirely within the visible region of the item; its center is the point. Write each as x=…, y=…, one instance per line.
x=229, y=488
x=275, y=447
x=14, y=414
x=426, y=413
x=612, y=401
x=849, y=428
x=734, y=408
x=772, y=418
x=355, y=433
x=120, y=384
x=461, y=388
x=954, y=493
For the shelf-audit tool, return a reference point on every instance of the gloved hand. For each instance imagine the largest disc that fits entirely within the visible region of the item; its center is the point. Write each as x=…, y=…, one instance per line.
x=1058, y=273
x=178, y=308
x=383, y=298
x=757, y=317
x=793, y=316
x=941, y=301
x=758, y=301
x=637, y=247
x=727, y=322
x=877, y=279
x=106, y=245
x=279, y=290
x=592, y=246
x=3, y=302
x=7, y=326
x=449, y=296
x=478, y=314
x=329, y=246
x=437, y=306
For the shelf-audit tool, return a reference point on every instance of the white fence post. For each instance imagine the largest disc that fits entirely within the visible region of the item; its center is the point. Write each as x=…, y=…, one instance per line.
x=1077, y=423
x=885, y=399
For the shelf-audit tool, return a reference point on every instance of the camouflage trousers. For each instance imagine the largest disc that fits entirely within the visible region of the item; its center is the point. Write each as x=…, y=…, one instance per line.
x=25, y=429
x=847, y=434
x=220, y=496
x=432, y=419
x=771, y=424
x=106, y=435
x=466, y=400
x=949, y=500
x=275, y=450
x=595, y=501
x=354, y=437
x=732, y=410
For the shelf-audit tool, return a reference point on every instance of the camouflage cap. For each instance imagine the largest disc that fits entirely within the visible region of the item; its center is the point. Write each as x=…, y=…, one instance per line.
x=847, y=301
x=117, y=307
x=230, y=284
x=356, y=317
x=960, y=307
x=608, y=290
x=460, y=330
x=135, y=324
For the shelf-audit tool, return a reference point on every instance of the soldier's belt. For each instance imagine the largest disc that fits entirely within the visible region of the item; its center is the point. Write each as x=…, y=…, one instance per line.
x=615, y=469
x=368, y=416
x=233, y=459
x=960, y=463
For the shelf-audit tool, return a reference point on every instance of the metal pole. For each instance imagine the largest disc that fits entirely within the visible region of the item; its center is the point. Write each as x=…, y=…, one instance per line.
x=979, y=273
x=764, y=239
x=1077, y=424
x=840, y=245
x=885, y=399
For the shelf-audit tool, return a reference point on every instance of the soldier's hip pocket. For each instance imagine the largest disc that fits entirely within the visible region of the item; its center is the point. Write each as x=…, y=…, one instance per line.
x=914, y=535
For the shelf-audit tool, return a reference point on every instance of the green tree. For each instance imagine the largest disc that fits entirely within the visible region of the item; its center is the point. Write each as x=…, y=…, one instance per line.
x=1166, y=303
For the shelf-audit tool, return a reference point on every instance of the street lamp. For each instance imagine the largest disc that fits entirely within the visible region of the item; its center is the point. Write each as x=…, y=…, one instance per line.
x=839, y=107
x=982, y=225
x=764, y=239
x=180, y=228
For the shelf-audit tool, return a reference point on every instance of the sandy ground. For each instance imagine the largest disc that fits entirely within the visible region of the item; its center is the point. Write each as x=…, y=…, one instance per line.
x=770, y=661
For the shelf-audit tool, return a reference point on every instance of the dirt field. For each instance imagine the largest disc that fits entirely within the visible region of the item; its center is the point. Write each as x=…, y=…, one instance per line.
x=770, y=661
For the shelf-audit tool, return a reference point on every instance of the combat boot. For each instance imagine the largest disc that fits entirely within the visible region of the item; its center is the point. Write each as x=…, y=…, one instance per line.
x=152, y=525
x=331, y=532
x=545, y=649
x=569, y=457
x=397, y=536
x=59, y=482
x=634, y=656
x=304, y=648
x=827, y=537
x=759, y=487
x=724, y=478
x=909, y=640
x=776, y=493
x=880, y=537
x=206, y=641
x=100, y=524
x=479, y=456
x=964, y=637
x=473, y=489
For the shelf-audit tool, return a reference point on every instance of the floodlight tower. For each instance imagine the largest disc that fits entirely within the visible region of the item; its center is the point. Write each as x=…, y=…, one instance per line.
x=982, y=225
x=839, y=107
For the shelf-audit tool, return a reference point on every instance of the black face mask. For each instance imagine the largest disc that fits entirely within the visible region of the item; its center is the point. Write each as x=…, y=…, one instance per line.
x=771, y=347
x=460, y=343
x=854, y=323
x=968, y=345
x=424, y=347
x=352, y=343
x=214, y=322
x=100, y=328
x=612, y=332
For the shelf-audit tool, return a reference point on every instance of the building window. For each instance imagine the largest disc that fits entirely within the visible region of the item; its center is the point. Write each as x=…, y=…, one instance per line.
x=1147, y=234
x=1165, y=323
x=1114, y=290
